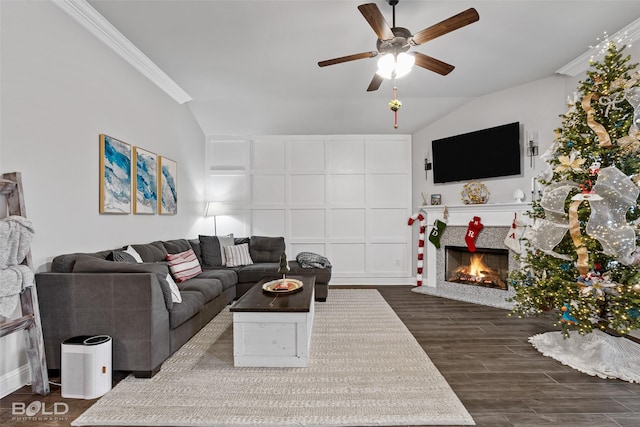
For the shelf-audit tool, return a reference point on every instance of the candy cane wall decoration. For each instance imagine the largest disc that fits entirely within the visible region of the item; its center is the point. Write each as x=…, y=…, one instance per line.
x=423, y=227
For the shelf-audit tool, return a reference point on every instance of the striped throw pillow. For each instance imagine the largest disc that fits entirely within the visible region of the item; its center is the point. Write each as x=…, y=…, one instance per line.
x=184, y=265
x=237, y=255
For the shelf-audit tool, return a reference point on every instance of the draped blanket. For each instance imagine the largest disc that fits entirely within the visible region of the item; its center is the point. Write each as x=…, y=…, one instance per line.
x=311, y=260
x=16, y=233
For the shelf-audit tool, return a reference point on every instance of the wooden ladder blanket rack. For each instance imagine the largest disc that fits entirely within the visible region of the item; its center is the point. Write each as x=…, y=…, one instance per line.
x=11, y=188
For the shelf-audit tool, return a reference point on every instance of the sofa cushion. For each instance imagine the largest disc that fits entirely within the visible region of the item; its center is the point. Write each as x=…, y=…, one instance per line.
x=195, y=245
x=226, y=276
x=151, y=252
x=323, y=275
x=266, y=249
x=237, y=255
x=192, y=303
x=184, y=265
x=209, y=288
x=65, y=263
x=257, y=272
x=176, y=246
x=90, y=264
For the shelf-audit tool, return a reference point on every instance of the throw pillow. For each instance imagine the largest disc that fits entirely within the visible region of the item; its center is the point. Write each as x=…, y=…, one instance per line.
x=184, y=265
x=210, y=251
x=133, y=253
x=224, y=242
x=120, y=256
x=175, y=292
x=237, y=255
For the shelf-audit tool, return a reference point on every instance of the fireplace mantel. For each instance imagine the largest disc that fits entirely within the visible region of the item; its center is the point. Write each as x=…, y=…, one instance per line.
x=493, y=214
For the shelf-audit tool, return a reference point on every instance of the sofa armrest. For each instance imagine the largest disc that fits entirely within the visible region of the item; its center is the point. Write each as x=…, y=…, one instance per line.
x=129, y=307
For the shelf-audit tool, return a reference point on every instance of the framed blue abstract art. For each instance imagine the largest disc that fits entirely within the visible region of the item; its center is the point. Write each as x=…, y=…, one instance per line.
x=145, y=181
x=115, y=176
x=167, y=186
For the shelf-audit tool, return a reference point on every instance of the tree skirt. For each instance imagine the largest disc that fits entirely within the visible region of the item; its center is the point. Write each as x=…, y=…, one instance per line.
x=597, y=354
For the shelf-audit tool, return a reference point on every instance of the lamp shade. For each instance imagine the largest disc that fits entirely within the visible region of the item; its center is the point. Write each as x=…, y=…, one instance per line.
x=214, y=209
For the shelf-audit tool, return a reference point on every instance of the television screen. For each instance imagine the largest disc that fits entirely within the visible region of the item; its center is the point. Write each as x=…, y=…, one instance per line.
x=486, y=153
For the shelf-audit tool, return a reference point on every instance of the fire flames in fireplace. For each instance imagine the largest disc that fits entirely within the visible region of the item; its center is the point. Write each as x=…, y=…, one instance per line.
x=478, y=273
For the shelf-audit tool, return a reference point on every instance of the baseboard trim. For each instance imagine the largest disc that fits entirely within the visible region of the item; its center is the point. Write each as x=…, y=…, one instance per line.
x=13, y=380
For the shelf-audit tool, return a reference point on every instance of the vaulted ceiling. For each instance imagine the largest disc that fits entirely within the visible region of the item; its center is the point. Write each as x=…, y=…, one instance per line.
x=251, y=66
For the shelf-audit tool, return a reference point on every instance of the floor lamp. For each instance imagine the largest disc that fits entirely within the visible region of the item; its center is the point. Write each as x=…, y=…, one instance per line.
x=214, y=209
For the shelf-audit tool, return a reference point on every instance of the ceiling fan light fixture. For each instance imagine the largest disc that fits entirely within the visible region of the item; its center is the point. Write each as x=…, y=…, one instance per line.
x=386, y=65
x=389, y=66
x=404, y=64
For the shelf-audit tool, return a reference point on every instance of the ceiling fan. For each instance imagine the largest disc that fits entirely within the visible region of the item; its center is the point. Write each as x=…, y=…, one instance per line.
x=398, y=40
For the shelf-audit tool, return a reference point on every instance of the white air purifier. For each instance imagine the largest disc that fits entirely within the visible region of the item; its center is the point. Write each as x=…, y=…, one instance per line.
x=85, y=366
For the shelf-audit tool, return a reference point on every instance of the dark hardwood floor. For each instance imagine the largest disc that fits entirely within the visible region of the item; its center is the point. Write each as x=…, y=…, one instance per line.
x=483, y=354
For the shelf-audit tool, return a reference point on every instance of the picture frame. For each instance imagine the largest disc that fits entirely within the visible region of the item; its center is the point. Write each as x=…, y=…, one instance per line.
x=167, y=186
x=145, y=181
x=115, y=176
x=436, y=199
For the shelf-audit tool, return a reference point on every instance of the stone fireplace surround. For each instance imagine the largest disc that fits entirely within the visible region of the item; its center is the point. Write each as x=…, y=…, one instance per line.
x=497, y=219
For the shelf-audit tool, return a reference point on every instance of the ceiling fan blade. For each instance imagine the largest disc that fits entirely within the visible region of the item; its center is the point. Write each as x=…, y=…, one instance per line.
x=373, y=16
x=460, y=20
x=348, y=58
x=376, y=81
x=432, y=64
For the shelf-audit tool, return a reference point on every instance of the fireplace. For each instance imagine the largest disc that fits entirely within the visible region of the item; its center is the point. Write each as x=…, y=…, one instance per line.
x=486, y=267
x=497, y=219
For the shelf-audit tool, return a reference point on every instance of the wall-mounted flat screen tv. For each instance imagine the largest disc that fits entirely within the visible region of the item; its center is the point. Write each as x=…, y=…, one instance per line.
x=486, y=153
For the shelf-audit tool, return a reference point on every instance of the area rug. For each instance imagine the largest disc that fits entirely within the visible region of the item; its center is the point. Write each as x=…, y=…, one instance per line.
x=597, y=354
x=365, y=369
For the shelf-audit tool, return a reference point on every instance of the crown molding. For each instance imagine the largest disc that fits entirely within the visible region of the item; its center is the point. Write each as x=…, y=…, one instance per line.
x=97, y=25
x=582, y=63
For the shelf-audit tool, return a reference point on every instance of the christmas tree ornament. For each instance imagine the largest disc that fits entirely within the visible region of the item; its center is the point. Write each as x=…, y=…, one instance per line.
x=607, y=222
x=630, y=144
x=395, y=105
x=472, y=233
x=566, y=315
x=611, y=102
x=596, y=285
x=436, y=232
x=570, y=163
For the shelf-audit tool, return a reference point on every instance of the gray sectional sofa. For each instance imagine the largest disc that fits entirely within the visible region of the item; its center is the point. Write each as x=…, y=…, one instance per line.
x=104, y=293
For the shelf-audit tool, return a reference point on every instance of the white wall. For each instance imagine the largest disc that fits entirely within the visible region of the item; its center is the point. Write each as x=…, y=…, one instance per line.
x=347, y=197
x=61, y=88
x=536, y=105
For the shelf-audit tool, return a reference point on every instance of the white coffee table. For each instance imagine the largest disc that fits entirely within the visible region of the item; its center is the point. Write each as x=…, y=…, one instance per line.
x=273, y=330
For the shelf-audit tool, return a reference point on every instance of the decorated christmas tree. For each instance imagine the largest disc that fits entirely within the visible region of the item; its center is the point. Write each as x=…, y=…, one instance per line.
x=583, y=262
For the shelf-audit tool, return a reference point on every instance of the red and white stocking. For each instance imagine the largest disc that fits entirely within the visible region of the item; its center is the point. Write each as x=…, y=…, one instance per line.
x=515, y=235
x=472, y=233
x=423, y=227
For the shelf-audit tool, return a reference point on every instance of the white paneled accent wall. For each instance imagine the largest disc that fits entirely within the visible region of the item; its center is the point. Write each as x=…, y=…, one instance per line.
x=345, y=197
